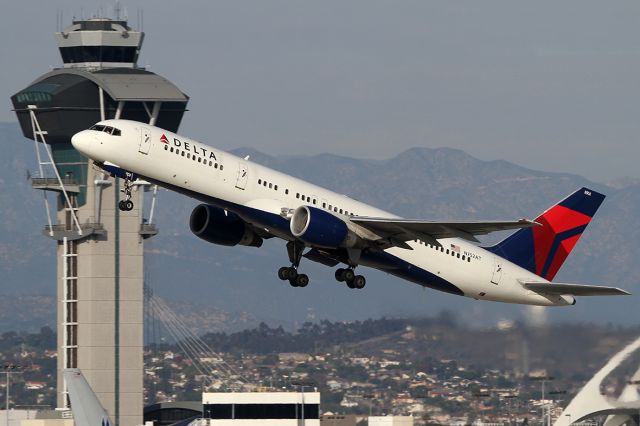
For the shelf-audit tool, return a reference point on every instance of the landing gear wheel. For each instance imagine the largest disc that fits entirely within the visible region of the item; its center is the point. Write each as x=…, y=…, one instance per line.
x=287, y=273
x=350, y=284
x=122, y=206
x=293, y=283
x=128, y=205
x=283, y=273
x=348, y=275
x=359, y=281
x=340, y=274
x=302, y=280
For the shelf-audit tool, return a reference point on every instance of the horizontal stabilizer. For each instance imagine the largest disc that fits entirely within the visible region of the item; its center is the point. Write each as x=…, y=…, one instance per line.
x=410, y=229
x=559, y=289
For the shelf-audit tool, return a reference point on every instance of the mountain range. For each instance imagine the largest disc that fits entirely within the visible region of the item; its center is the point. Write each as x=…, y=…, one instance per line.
x=424, y=183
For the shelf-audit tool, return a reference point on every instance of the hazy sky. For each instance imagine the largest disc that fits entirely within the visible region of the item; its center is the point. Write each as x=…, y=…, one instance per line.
x=552, y=85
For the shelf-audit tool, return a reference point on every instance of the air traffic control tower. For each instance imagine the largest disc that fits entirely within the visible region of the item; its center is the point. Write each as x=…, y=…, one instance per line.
x=100, y=249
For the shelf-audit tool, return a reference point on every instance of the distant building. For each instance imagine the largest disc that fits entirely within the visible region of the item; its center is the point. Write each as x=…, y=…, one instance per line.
x=262, y=408
x=338, y=420
x=390, y=421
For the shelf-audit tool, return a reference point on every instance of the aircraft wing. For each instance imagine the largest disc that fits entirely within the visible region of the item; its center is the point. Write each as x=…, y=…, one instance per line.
x=408, y=229
x=86, y=408
x=559, y=289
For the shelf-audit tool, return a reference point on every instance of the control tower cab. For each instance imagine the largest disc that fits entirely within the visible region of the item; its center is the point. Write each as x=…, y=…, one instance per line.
x=99, y=43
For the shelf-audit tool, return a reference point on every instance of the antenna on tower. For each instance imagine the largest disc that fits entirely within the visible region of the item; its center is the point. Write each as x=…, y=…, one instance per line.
x=116, y=10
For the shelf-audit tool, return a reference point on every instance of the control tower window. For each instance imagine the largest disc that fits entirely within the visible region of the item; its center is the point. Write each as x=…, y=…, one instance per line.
x=72, y=55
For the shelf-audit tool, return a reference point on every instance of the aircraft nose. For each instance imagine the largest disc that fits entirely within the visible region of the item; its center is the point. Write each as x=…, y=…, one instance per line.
x=82, y=141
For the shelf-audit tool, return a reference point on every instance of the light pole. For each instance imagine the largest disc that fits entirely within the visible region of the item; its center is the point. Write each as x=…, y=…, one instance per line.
x=302, y=384
x=543, y=379
x=10, y=369
x=371, y=398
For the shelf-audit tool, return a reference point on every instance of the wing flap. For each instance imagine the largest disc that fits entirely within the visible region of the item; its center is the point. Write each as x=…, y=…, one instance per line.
x=559, y=289
x=410, y=229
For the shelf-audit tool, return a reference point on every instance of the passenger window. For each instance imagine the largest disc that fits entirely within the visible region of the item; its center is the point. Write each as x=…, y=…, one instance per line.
x=215, y=165
x=286, y=191
x=166, y=147
x=335, y=209
x=259, y=181
x=210, y=163
x=199, y=160
x=324, y=205
x=188, y=155
x=221, y=167
x=458, y=255
x=297, y=195
x=275, y=187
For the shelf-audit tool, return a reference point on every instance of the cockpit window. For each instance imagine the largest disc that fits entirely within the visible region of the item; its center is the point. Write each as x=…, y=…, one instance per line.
x=107, y=129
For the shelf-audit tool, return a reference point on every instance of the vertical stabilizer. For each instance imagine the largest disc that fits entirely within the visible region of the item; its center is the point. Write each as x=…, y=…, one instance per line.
x=86, y=408
x=543, y=249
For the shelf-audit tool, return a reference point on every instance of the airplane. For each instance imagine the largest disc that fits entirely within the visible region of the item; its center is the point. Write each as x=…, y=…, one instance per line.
x=86, y=408
x=245, y=203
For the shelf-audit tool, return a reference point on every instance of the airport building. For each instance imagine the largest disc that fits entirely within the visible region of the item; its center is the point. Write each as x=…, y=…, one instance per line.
x=100, y=249
x=261, y=408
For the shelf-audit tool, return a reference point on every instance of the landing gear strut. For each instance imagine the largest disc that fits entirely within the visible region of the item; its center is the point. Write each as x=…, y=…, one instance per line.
x=349, y=277
x=126, y=205
x=290, y=273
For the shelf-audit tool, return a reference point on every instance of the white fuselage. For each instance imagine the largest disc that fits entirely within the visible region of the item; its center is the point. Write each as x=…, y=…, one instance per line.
x=233, y=183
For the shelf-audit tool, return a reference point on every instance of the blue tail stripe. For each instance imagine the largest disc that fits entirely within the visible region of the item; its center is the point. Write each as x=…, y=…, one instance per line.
x=556, y=245
x=517, y=248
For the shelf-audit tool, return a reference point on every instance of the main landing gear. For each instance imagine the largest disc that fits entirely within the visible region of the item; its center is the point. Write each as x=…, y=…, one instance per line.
x=349, y=277
x=290, y=273
x=126, y=205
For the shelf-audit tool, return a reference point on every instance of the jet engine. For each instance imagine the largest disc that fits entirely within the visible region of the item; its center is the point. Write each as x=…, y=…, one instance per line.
x=218, y=226
x=322, y=229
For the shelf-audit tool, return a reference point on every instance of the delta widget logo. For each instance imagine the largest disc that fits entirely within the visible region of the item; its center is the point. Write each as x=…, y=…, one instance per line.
x=164, y=139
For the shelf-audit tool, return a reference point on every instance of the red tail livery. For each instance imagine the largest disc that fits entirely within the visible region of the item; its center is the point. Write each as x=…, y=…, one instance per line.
x=543, y=249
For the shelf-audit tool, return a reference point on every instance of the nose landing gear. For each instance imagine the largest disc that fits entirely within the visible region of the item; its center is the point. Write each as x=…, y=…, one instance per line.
x=126, y=205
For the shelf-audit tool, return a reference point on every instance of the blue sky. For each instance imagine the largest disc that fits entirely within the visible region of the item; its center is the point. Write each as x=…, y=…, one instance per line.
x=549, y=85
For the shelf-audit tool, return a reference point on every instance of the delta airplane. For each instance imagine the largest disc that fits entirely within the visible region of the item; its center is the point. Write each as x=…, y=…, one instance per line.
x=245, y=203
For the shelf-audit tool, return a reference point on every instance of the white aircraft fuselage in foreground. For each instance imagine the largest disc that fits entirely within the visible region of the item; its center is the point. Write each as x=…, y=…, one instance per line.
x=246, y=203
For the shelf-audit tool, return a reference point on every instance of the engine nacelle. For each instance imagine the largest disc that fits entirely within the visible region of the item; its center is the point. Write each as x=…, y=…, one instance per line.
x=218, y=226
x=321, y=229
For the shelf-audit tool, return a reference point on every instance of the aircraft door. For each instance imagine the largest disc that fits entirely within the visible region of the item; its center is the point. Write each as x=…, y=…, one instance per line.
x=145, y=140
x=497, y=270
x=243, y=175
